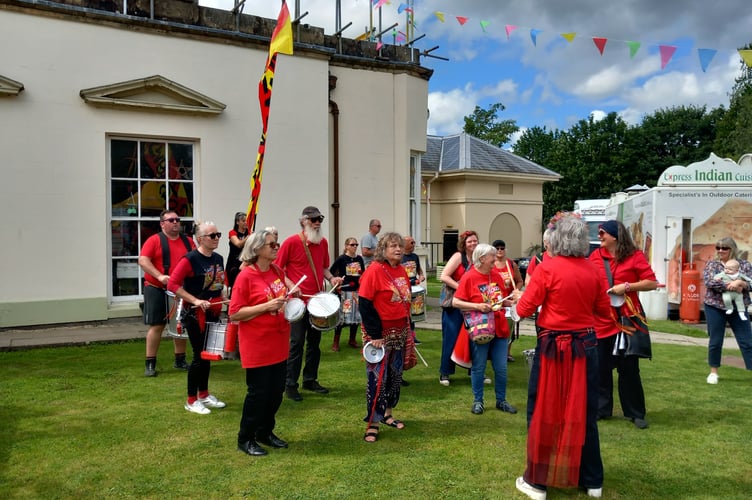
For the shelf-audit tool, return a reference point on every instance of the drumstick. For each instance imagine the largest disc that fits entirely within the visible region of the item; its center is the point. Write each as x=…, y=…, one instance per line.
x=420, y=356
x=214, y=303
x=511, y=276
x=295, y=286
x=334, y=287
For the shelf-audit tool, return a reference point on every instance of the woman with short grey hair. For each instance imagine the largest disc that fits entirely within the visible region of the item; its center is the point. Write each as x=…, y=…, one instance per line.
x=479, y=290
x=253, y=244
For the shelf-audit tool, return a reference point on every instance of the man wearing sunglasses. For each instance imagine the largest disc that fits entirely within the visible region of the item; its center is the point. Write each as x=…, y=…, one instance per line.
x=160, y=253
x=306, y=253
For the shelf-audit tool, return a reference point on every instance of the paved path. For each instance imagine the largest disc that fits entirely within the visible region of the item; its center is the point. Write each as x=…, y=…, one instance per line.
x=133, y=328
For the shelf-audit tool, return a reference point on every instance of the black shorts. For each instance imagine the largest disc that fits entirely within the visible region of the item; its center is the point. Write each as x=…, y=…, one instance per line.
x=155, y=306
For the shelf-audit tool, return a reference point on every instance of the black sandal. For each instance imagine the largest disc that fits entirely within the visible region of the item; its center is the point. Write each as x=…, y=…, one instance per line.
x=393, y=422
x=372, y=431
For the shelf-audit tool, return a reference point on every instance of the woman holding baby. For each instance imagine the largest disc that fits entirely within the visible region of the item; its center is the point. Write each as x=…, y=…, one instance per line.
x=716, y=309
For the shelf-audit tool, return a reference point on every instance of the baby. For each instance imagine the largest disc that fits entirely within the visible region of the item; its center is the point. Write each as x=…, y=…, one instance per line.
x=731, y=273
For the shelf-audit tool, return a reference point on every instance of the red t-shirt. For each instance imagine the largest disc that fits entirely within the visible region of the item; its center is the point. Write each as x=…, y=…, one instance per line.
x=534, y=262
x=293, y=260
x=572, y=293
x=153, y=250
x=388, y=288
x=631, y=270
x=265, y=339
x=478, y=287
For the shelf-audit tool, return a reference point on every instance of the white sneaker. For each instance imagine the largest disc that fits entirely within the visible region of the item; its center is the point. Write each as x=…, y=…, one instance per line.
x=713, y=378
x=212, y=402
x=487, y=380
x=529, y=490
x=444, y=380
x=595, y=492
x=197, y=407
x=743, y=316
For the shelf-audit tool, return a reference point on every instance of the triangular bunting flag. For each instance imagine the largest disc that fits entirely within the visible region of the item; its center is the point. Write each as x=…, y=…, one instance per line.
x=600, y=43
x=568, y=36
x=746, y=57
x=484, y=25
x=633, y=48
x=667, y=52
x=706, y=55
x=401, y=8
x=509, y=29
x=439, y=15
x=379, y=45
x=534, y=36
x=461, y=20
x=379, y=4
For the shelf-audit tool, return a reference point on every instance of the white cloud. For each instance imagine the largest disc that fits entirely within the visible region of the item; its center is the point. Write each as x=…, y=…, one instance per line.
x=598, y=115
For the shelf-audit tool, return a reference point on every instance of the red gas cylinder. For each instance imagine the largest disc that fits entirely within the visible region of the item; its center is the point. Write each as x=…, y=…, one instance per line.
x=689, y=310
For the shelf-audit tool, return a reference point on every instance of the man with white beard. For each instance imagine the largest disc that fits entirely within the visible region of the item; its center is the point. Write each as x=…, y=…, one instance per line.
x=306, y=253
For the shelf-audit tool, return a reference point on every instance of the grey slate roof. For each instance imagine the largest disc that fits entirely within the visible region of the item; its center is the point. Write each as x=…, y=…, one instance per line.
x=458, y=152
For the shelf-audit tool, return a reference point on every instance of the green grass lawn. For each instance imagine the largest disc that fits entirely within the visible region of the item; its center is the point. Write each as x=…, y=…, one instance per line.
x=83, y=422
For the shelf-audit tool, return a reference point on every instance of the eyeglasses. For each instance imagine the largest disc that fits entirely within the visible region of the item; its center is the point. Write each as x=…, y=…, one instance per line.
x=320, y=218
x=377, y=225
x=213, y=236
x=272, y=244
x=722, y=248
x=352, y=244
x=501, y=248
x=172, y=219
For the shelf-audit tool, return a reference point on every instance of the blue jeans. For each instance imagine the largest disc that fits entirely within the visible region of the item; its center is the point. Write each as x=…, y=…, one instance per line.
x=451, y=322
x=716, y=320
x=497, y=351
x=591, y=465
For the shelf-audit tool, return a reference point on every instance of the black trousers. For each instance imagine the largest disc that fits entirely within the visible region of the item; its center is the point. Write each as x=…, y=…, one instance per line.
x=266, y=385
x=302, y=334
x=631, y=394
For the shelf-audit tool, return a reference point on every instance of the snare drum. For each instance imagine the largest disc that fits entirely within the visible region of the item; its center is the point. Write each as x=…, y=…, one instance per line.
x=214, y=348
x=417, y=303
x=174, y=312
x=323, y=311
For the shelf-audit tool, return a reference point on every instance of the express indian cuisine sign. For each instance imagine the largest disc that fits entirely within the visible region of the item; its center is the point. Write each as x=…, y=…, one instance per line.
x=711, y=172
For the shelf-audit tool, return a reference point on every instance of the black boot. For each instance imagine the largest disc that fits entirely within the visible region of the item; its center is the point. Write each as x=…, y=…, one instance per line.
x=151, y=367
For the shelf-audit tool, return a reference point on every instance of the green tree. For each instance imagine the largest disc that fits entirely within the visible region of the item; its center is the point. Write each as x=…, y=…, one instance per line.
x=673, y=136
x=485, y=125
x=733, y=138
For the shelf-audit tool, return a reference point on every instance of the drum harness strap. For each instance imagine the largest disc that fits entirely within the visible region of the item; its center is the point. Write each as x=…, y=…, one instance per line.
x=310, y=262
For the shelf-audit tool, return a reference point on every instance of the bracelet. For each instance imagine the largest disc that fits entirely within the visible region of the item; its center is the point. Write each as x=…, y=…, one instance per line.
x=627, y=288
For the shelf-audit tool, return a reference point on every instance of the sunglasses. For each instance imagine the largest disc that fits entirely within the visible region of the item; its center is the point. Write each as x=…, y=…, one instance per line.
x=352, y=244
x=320, y=218
x=213, y=236
x=722, y=248
x=172, y=219
x=272, y=244
x=501, y=248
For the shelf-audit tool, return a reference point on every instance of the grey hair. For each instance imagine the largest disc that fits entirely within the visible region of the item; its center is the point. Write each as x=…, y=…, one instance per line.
x=547, y=235
x=728, y=241
x=273, y=230
x=253, y=244
x=480, y=251
x=379, y=254
x=570, y=237
x=199, y=225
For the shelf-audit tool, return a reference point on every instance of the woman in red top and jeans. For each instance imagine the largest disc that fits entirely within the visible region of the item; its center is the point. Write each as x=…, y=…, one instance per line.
x=631, y=273
x=563, y=447
x=451, y=317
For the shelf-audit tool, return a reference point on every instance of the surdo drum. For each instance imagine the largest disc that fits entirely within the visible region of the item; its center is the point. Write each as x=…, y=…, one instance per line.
x=323, y=311
x=417, y=303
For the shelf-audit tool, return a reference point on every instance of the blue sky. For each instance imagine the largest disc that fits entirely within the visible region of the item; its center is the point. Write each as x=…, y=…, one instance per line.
x=555, y=83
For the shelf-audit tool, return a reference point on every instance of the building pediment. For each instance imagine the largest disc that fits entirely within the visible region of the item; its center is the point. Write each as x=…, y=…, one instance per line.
x=153, y=93
x=9, y=87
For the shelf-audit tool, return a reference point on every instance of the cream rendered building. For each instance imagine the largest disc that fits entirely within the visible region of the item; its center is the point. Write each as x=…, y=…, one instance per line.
x=107, y=118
